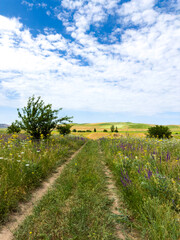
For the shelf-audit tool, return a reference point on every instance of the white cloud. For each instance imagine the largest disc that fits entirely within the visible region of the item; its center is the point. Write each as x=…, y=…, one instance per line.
x=7, y=24
x=138, y=74
x=27, y=3
x=48, y=13
x=31, y=5
x=138, y=12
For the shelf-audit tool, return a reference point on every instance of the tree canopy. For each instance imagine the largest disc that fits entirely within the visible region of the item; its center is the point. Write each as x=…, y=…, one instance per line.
x=39, y=119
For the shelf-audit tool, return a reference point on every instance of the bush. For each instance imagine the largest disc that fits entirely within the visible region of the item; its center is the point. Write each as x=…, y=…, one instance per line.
x=14, y=128
x=94, y=129
x=105, y=130
x=116, y=130
x=64, y=129
x=159, y=131
x=74, y=130
x=88, y=131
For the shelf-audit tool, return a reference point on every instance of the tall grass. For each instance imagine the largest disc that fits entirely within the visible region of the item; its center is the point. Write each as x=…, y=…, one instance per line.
x=147, y=172
x=25, y=163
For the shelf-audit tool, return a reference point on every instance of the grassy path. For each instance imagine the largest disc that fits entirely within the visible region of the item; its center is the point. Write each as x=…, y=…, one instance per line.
x=25, y=209
x=123, y=222
x=78, y=207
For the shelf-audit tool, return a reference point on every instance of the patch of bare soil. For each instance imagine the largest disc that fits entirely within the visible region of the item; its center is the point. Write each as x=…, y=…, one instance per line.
x=25, y=209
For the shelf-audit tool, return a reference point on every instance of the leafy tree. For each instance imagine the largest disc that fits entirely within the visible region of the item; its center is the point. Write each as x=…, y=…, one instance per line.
x=74, y=130
x=112, y=128
x=64, y=129
x=159, y=131
x=39, y=119
x=94, y=129
x=14, y=127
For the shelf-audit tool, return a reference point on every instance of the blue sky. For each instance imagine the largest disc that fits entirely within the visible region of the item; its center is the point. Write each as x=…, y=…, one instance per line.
x=100, y=60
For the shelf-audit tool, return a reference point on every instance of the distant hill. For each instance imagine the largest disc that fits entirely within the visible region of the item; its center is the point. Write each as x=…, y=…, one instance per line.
x=122, y=126
x=3, y=125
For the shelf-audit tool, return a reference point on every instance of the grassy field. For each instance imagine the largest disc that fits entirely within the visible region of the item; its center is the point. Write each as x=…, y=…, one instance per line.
x=25, y=163
x=146, y=173
x=120, y=125
x=124, y=129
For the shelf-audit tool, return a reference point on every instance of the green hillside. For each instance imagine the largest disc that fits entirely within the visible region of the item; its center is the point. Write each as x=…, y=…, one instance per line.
x=120, y=125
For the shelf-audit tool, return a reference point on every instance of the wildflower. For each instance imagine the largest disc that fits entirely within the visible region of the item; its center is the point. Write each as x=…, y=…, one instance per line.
x=1, y=158
x=27, y=165
x=173, y=181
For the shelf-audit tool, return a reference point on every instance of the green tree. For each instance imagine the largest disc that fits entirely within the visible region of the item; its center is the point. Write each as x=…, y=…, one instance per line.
x=94, y=129
x=64, y=129
x=112, y=128
x=116, y=130
x=159, y=131
x=14, y=127
x=39, y=119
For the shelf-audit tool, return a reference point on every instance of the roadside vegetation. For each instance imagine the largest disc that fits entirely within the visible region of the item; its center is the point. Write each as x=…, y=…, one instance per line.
x=78, y=207
x=25, y=163
x=147, y=175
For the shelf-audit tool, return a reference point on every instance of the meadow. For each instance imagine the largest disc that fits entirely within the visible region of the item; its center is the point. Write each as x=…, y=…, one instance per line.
x=146, y=173
x=25, y=163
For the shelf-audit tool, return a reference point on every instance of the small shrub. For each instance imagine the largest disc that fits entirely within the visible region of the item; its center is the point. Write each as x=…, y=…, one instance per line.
x=116, y=130
x=74, y=130
x=64, y=129
x=14, y=128
x=159, y=131
x=94, y=129
x=88, y=131
x=105, y=130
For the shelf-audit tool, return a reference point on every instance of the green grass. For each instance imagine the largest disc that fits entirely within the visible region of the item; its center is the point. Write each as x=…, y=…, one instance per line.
x=25, y=163
x=3, y=130
x=147, y=174
x=77, y=207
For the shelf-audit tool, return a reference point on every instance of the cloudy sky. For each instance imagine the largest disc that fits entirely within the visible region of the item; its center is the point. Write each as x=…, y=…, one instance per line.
x=100, y=60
